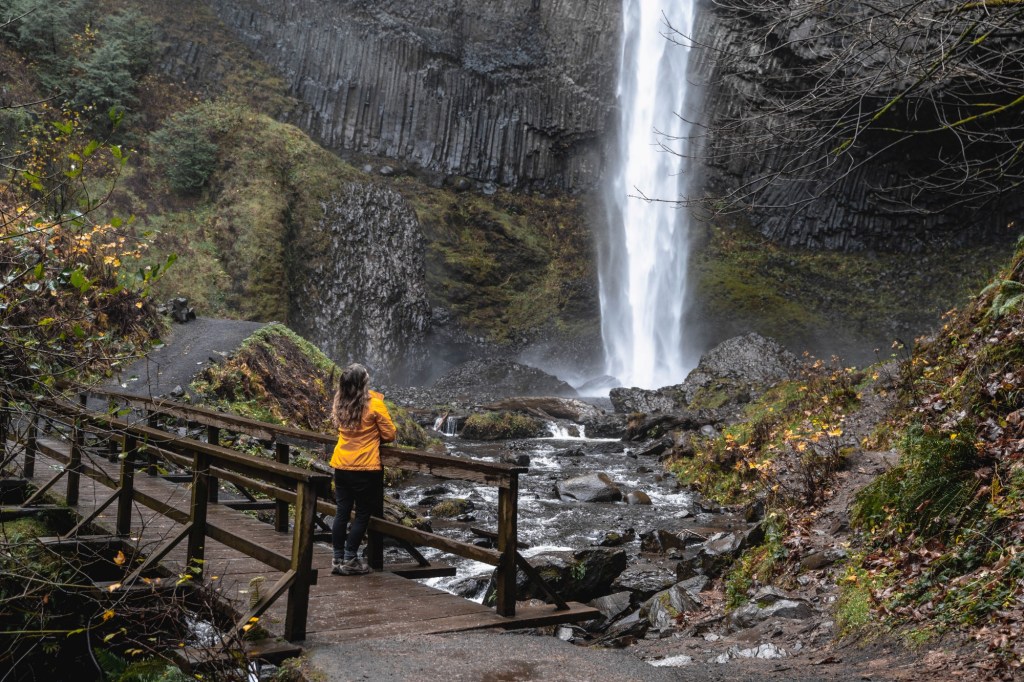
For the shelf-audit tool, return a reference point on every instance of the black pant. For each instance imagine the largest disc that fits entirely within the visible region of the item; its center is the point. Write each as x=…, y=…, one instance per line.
x=364, y=489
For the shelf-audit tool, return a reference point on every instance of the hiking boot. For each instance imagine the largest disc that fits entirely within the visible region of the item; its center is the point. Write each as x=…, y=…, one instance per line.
x=351, y=567
x=337, y=562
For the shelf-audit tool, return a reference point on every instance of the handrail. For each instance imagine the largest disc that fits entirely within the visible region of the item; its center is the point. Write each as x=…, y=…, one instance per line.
x=443, y=466
x=218, y=459
x=302, y=487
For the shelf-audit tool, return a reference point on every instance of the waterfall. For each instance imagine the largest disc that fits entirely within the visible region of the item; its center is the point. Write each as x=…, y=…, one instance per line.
x=643, y=260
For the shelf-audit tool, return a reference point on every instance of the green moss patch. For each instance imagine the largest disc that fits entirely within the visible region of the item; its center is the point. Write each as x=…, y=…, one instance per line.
x=278, y=377
x=809, y=299
x=507, y=265
x=499, y=426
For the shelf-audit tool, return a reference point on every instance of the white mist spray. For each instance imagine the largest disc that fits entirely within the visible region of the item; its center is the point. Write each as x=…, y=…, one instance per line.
x=643, y=263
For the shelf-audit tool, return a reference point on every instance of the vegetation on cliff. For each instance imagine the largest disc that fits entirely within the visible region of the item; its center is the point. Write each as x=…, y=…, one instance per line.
x=853, y=304
x=938, y=542
x=507, y=265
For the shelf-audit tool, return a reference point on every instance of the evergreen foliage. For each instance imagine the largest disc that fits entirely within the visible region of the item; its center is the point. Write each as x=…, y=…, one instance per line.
x=183, y=148
x=40, y=28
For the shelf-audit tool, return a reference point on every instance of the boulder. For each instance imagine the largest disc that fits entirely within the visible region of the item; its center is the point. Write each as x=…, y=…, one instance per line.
x=729, y=374
x=645, y=578
x=547, y=407
x=633, y=400
x=748, y=360
x=769, y=603
x=638, y=497
x=576, y=576
x=625, y=632
x=718, y=553
x=613, y=605
x=606, y=426
x=615, y=539
x=596, y=487
x=452, y=507
x=656, y=448
x=501, y=378
x=501, y=426
x=661, y=540
x=664, y=610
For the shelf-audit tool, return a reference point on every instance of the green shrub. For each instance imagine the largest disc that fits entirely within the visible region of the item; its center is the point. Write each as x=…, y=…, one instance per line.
x=932, y=491
x=106, y=82
x=135, y=36
x=41, y=28
x=183, y=148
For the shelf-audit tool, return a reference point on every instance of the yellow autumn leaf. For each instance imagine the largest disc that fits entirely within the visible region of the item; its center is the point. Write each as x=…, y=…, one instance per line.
x=114, y=587
x=108, y=614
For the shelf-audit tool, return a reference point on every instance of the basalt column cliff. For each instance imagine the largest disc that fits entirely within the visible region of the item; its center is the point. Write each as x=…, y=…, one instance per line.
x=515, y=92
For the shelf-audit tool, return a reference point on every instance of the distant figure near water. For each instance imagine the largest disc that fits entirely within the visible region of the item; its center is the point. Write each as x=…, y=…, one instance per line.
x=363, y=423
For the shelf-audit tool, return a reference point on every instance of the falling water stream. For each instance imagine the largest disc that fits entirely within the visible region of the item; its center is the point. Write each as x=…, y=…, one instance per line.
x=643, y=262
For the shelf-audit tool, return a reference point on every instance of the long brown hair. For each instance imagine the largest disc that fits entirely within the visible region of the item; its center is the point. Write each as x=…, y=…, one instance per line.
x=352, y=397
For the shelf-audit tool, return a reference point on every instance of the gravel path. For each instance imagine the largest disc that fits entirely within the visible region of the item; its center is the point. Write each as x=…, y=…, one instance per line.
x=188, y=348
x=479, y=657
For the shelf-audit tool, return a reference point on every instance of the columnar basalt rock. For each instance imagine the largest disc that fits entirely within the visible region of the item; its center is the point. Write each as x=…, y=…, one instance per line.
x=857, y=209
x=362, y=292
x=515, y=92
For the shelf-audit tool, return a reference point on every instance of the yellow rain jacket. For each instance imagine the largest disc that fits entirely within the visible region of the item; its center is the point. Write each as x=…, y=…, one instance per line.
x=358, y=449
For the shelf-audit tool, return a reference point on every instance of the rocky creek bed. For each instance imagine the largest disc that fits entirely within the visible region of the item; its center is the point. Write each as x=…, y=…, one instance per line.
x=605, y=523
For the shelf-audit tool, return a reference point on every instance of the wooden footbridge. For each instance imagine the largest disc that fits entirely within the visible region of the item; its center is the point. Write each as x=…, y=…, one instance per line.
x=110, y=466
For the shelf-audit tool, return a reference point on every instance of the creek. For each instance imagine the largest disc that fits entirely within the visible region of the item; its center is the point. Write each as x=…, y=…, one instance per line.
x=547, y=523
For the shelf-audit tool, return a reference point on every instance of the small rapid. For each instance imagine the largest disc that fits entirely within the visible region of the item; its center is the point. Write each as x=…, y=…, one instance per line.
x=547, y=523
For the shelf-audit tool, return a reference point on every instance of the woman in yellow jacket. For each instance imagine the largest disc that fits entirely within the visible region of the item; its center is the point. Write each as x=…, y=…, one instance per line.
x=363, y=424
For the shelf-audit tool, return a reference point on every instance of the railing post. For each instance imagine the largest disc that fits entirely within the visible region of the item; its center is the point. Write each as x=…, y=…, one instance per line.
x=302, y=562
x=213, y=438
x=127, y=496
x=281, y=507
x=508, y=537
x=31, y=446
x=200, y=499
x=374, y=538
x=75, y=463
x=151, y=421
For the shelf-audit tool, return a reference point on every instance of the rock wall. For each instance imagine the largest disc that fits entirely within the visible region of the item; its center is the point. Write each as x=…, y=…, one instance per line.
x=360, y=292
x=515, y=92
x=858, y=209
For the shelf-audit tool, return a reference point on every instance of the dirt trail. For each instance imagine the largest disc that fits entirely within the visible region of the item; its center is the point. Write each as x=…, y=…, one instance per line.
x=186, y=350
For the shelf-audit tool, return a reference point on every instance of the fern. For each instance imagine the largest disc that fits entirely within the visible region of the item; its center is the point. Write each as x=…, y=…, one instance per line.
x=1009, y=294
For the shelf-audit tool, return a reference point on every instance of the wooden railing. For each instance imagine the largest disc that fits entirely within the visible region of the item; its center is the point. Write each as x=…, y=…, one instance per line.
x=142, y=444
x=505, y=477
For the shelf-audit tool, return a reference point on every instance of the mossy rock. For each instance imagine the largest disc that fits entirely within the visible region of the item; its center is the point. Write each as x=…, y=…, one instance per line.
x=278, y=377
x=501, y=426
x=452, y=507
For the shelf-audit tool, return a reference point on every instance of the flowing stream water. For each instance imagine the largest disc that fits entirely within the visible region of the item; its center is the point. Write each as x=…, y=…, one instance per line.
x=547, y=523
x=644, y=258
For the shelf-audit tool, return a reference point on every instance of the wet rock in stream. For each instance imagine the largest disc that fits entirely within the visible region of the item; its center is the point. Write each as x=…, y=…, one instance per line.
x=576, y=576
x=595, y=487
